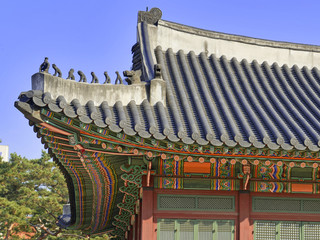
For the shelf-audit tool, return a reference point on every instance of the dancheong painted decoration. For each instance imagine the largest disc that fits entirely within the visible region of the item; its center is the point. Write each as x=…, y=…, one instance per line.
x=208, y=136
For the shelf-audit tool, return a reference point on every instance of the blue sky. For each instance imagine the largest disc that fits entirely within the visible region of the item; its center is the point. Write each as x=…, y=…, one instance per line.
x=97, y=36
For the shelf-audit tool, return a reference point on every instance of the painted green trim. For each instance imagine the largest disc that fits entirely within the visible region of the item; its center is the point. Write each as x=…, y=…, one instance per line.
x=196, y=230
x=196, y=198
x=301, y=169
x=302, y=227
x=262, y=155
x=278, y=231
x=302, y=201
x=177, y=230
x=214, y=228
x=190, y=181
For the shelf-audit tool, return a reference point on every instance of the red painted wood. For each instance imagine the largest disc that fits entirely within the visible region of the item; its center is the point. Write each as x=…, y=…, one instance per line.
x=243, y=215
x=54, y=129
x=147, y=221
x=155, y=225
x=196, y=167
x=309, y=217
x=138, y=225
x=130, y=235
x=297, y=187
x=289, y=195
x=133, y=230
x=236, y=228
x=166, y=150
x=196, y=192
x=196, y=215
x=245, y=226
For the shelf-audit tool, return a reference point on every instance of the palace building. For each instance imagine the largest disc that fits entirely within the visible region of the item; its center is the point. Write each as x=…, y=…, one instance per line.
x=215, y=136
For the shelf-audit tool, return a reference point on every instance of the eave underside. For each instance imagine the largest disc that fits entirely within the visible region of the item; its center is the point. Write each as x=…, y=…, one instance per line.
x=92, y=158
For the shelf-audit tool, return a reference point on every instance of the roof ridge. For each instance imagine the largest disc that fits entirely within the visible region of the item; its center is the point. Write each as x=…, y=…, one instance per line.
x=238, y=38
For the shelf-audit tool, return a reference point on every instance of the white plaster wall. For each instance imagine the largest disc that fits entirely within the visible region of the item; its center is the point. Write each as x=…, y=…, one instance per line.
x=252, y=49
x=98, y=93
x=84, y=92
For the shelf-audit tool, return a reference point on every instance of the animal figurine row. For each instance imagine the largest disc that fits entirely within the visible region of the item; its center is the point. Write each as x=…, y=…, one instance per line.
x=95, y=79
x=132, y=76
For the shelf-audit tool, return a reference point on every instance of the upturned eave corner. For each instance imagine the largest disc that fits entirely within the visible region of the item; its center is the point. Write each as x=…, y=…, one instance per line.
x=29, y=113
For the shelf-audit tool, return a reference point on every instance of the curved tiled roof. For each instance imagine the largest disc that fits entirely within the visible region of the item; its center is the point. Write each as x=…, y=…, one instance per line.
x=243, y=103
x=205, y=98
x=214, y=101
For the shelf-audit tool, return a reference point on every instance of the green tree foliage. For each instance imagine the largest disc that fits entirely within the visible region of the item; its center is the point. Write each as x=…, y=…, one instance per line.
x=32, y=194
x=1, y=158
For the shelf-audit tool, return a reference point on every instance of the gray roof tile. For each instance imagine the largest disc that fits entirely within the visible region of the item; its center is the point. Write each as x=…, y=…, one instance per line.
x=214, y=101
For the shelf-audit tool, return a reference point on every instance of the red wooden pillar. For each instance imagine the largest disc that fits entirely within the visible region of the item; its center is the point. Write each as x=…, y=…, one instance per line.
x=138, y=224
x=130, y=234
x=245, y=227
x=147, y=228
x=133, y=230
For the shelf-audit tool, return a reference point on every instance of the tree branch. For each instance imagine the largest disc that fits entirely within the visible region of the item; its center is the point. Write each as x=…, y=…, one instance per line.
x=9, y=231
x=73, y=235
x=42, y=236
x=47, y=231
x=51, y=214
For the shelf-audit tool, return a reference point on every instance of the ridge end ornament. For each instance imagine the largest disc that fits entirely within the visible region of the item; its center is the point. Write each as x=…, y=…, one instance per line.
x=150, y=17
x=157, y=71
x=133, y=77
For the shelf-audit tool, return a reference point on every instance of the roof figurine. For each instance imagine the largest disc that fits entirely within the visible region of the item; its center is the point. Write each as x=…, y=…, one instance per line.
x=133, y=77
x=118, y=79
x=44, y=67
x=157, y=71
x=70, y=74
x=94, y=78
x=82, y=76
x=56, y=71
x=108, y=80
